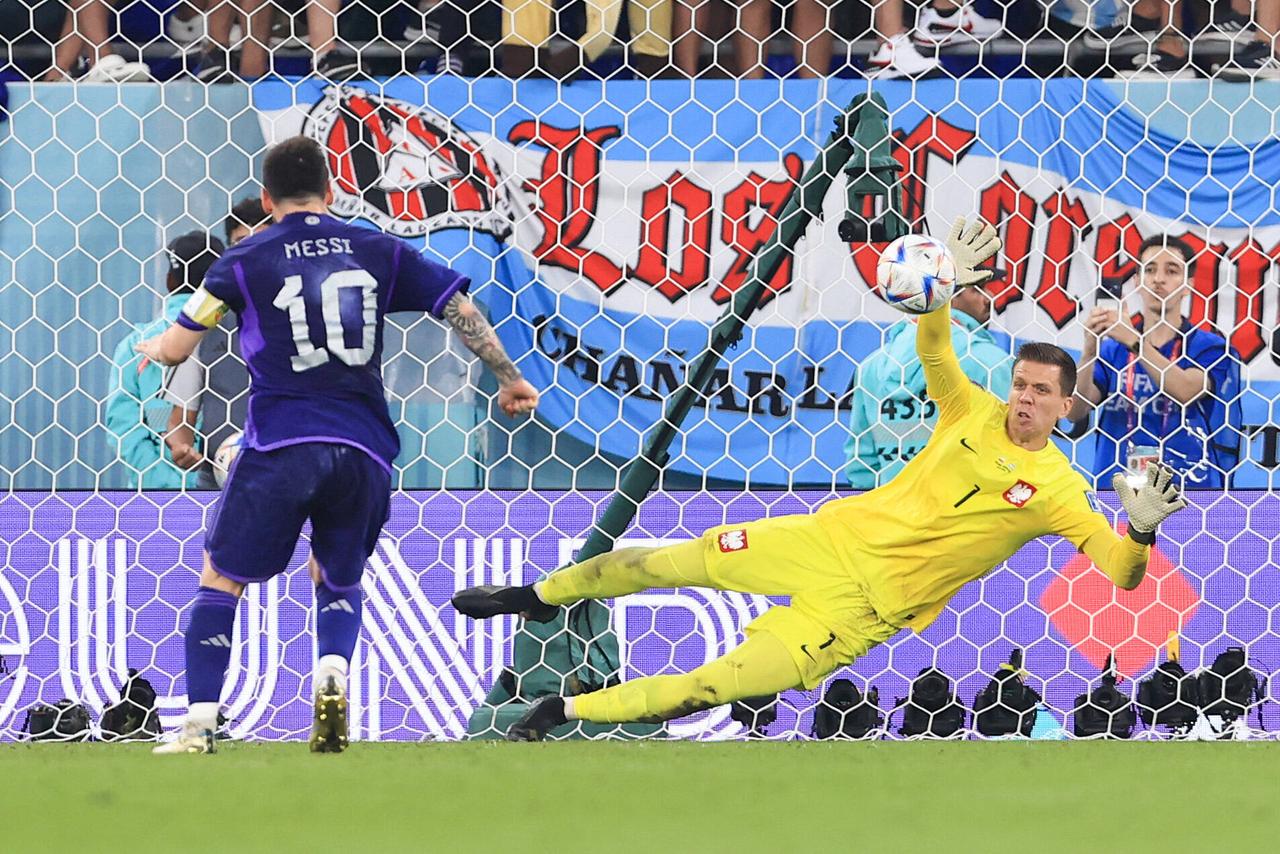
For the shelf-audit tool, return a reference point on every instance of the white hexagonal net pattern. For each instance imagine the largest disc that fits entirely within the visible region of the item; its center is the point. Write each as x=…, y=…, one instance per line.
x=606, y=222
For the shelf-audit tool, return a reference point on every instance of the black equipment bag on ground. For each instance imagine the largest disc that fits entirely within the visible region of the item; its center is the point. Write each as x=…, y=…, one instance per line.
x=843, y=712
x=1104, y=710
x=1229, y=687
x=931, y=708
x=134, y=717
x=65, y=720
x=755, y=713
x=1007, y=705
x=1169, y=697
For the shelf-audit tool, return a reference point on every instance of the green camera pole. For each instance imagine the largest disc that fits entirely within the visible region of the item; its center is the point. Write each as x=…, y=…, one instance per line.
x=578, y=651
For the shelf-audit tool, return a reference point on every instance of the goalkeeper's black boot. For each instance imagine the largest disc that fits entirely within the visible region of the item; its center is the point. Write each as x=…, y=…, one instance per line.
x=490, y=600
x=542, y=716
x=329, y=724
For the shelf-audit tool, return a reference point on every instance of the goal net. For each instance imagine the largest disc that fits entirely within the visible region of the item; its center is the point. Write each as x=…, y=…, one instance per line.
x=606, y=223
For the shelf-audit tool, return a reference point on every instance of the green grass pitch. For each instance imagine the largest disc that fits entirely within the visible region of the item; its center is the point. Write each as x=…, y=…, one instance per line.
x=646, y=797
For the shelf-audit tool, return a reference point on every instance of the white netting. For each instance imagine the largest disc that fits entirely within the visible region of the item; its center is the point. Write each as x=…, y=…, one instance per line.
x=606, y=223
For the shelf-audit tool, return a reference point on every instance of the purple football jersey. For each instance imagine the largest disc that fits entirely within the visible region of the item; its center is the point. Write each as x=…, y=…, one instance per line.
x=311, y=293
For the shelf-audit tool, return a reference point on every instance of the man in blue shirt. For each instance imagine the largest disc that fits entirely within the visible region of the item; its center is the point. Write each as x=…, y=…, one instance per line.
x=212, y=388
x=136, y=415
x=311, y=294
x=1162, y=388
x=892, y=417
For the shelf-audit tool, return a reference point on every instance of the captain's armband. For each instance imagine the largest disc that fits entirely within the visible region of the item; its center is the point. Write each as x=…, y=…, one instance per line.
x=204, y=309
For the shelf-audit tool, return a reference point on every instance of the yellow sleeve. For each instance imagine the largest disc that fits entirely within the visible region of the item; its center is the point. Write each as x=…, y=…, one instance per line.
x=1075, y=517
x=944, y=378
x=204, y=308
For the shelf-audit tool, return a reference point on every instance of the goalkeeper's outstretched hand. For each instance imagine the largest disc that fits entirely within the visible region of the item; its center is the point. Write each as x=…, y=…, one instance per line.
x=1155, y=501
x=972, y=245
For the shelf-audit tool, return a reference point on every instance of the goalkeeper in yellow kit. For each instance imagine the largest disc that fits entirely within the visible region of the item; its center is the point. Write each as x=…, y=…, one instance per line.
x=861, y=569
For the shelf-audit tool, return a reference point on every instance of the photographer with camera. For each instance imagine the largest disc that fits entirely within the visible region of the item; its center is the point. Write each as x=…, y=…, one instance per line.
x=1163, y=388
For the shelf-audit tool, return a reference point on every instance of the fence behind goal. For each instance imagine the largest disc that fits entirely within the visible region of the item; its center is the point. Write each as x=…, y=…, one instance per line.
x=605, y=225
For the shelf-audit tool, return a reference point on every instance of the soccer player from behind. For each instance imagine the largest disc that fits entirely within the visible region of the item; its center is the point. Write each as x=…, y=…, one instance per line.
x=861, y=569
x=311, y=294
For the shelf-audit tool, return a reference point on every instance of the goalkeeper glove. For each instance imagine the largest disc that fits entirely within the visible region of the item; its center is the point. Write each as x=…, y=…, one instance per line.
x=1155, y=501
x=972, y=245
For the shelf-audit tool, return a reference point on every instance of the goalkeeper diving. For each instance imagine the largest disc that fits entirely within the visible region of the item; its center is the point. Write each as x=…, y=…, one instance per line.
x=861, y=569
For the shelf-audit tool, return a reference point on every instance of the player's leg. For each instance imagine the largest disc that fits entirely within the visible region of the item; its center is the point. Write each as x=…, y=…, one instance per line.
x=255, y=528
x=347, y=516
x=827, y=626
x=762, y=665
x=338, y=615
x=208, y=650
x=601, y=577
x=774, y=557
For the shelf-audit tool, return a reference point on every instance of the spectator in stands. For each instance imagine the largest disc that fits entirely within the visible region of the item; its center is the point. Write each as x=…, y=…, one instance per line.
x=944, y=23
x=460, y=31
x=210, y=392
x=215, y=62
x=136, y=416
x=695, y=23
x=1168, y=57
x=1235, y=22
x=85, y=41
x=1151, y=27
x=810, y=26
x=892, y=417
x=527, y=27
x=331, y=59
x=246, y=218
x=1162, y=387
x=1149, y=42
x=186, y=23
x=896, y=55
x=35, y=29
x=1104, y=28
x=1259, y=56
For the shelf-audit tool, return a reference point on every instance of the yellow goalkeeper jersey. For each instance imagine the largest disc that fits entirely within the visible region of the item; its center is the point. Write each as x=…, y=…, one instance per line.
x=966, y=503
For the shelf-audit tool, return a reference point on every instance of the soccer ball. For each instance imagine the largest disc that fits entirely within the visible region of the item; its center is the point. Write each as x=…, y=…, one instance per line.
x=225, y=456
x=916, y=274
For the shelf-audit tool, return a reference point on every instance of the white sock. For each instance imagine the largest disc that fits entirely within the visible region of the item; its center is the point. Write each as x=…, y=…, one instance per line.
x=203, y=715
x=568, y=709
x=330, y=665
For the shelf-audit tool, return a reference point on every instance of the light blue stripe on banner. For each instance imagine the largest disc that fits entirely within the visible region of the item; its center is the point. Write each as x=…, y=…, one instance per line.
x=1224, y=113
x=1085, y=133
x=1077, y=129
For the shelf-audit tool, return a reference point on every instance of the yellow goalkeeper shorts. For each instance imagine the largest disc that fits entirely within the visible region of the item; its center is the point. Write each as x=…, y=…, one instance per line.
x=830, y=621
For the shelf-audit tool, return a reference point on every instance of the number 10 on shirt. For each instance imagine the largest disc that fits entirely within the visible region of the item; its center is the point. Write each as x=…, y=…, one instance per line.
x=308, y=356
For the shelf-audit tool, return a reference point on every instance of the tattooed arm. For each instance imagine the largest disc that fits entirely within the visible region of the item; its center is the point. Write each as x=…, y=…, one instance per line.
x=515, y=393
x=461, y=313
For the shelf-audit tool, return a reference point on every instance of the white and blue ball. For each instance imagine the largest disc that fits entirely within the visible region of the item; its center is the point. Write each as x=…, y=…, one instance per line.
x=225, y=456
x=916, y=274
